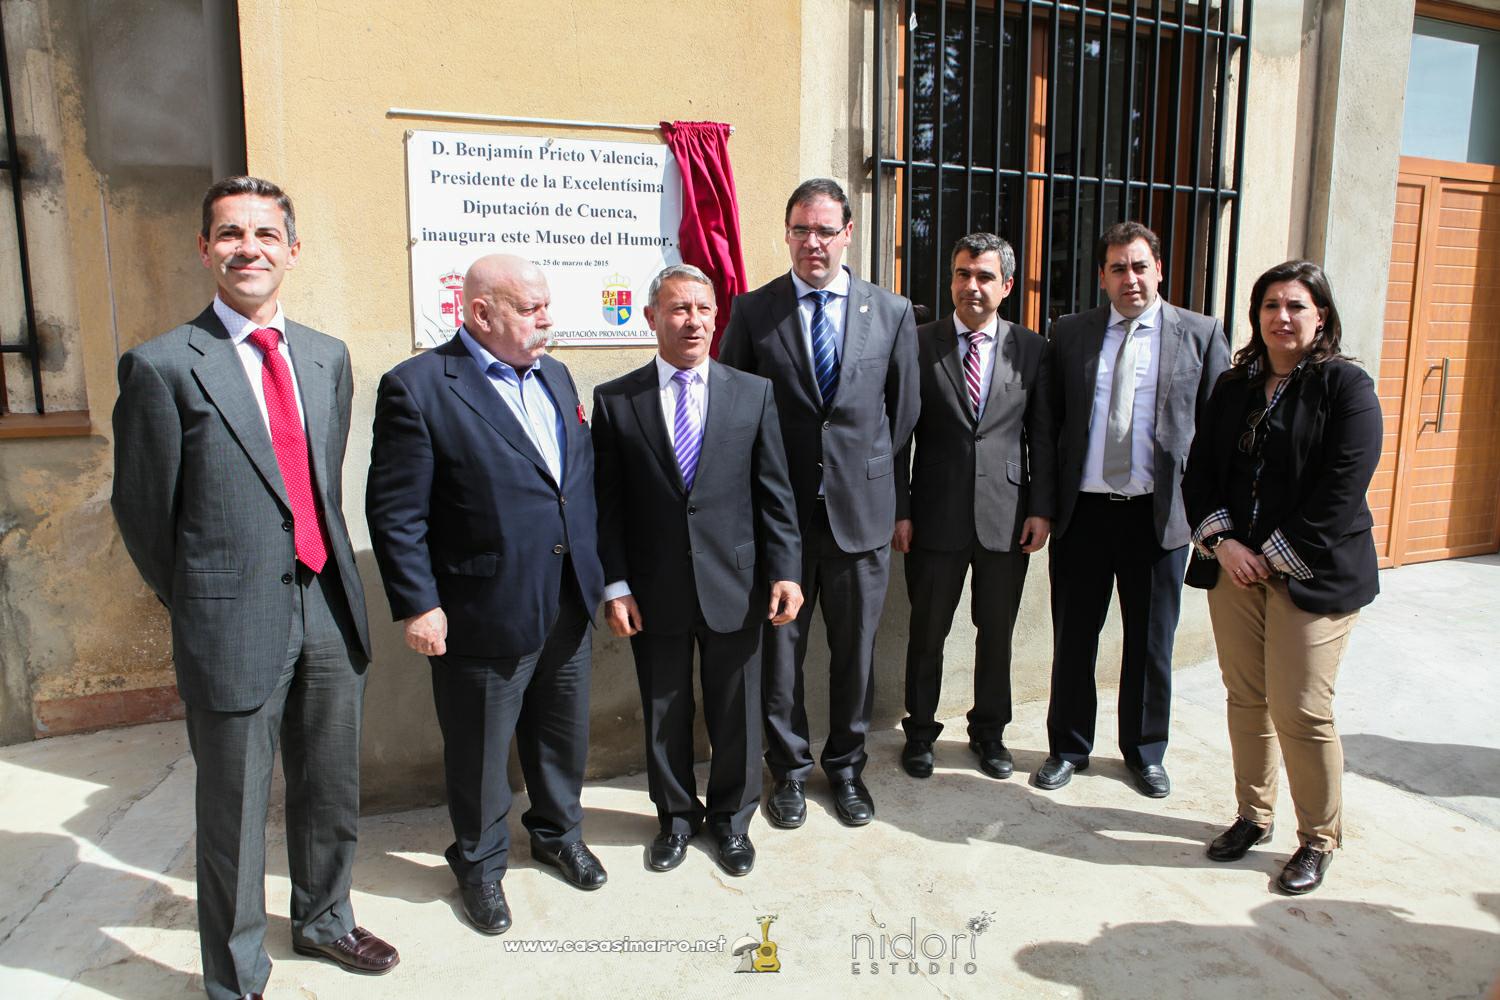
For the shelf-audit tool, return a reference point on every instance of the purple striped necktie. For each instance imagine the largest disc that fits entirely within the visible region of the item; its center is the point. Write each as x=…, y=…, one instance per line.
x=971, y=370
x=687, y=431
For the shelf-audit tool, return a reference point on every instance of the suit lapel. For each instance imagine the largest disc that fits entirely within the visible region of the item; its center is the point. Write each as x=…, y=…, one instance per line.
x=789, y=329
x=1003, y=368
x=953, y=366
x=721, y=406
x=645, y=398
x=222, y=377
x=315, y=385
x=1171, y=341
x=560, y=387
x=856, y=324
x=473, y=387
x=1092, y=346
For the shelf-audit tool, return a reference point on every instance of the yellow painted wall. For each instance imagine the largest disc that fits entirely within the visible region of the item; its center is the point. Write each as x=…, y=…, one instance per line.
x=319, y=79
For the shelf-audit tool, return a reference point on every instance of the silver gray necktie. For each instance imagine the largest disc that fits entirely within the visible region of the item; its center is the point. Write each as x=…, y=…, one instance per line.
x=1117, y=437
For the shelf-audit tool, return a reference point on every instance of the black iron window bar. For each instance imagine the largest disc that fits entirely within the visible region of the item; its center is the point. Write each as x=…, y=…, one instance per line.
x=11, y=166
x=1144, y=32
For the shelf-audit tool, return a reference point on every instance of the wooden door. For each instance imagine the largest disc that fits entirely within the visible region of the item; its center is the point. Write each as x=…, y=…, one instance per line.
x=1436, y=494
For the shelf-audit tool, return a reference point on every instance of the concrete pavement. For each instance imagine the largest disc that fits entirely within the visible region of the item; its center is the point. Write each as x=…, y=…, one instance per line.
x=1005, y=891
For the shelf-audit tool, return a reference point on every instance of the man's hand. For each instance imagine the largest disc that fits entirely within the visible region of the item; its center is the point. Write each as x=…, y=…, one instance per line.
x=1245, y=566
x=427, y=633
x=1034, y=532
x=786, y=601
x=901, y=537
x=623, y=616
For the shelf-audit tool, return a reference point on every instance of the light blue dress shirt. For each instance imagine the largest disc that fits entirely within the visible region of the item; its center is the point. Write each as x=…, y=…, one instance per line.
x=528, y=399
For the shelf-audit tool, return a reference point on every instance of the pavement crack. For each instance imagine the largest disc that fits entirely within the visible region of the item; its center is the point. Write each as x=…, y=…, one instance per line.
x=125, y=805
x=41, y=901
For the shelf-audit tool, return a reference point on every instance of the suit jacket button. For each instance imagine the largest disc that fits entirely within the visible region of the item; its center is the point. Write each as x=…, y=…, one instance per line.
x=557, y=550
x=827, y=425
x=286, y=578
x=978, y=437
x=286, y=525
x=562, y=501
x=692, y=510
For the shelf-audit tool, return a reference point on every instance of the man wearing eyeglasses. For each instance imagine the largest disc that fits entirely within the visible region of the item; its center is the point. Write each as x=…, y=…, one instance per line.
x=841, y=354
x=1129, y=379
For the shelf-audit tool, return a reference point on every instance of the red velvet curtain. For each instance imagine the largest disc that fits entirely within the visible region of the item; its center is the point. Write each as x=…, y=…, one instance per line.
x=710, y=234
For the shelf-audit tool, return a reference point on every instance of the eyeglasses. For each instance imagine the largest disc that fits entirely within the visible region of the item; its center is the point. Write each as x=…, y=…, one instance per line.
x=1248, y=439
x=825, y=234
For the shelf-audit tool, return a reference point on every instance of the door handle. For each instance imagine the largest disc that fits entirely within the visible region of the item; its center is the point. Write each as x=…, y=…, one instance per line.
x=1442, y=409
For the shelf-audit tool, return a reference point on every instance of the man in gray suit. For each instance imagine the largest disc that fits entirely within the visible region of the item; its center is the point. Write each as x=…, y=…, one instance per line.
x=1129, y=379
x=982, y=496
x=698, y=536
x=229, y=451
x=842, y=356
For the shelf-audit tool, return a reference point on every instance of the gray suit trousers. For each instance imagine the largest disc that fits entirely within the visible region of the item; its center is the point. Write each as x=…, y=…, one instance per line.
x=851, y=588
x=315, y=713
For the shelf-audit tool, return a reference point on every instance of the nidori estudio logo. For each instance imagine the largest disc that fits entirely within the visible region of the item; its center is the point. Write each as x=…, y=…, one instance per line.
x=912, y=953
x=758, y=956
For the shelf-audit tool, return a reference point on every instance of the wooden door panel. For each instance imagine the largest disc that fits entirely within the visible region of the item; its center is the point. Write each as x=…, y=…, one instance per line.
x=1451, y=500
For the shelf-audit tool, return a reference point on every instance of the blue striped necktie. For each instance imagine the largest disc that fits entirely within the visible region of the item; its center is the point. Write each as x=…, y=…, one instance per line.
x=825, y=355
x=687, y=431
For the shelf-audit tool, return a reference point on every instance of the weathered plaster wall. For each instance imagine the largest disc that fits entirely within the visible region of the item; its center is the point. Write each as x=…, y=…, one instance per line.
x=111, y=166
x=318, y=81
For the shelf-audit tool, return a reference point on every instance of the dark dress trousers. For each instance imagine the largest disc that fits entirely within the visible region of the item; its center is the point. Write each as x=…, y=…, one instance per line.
x=699, y=563
x=845, y=449
x=1321, y=445
x=972, y=485
x=1138, y=547
x=464, y=515
x=265, y=651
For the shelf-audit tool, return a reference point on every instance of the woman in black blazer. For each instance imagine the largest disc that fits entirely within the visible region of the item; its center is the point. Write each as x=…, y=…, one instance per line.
x=1275, y=486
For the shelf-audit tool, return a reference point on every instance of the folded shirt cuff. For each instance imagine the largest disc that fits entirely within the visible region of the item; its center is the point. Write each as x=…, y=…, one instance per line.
x=1215, y=524
x=1283, y=558
x=616, y=590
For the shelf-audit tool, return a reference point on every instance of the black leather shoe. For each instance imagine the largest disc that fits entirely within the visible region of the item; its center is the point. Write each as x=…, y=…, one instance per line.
x=1304, y=872
x=1056, y=772
x=576, y=863
x=485, y=906
x=851, y=800
x=667, y=851
x=916, y=758
x=994, y=759
x=1235, y=842
x=1151, y=780
x=787, y=806
x=736, y=854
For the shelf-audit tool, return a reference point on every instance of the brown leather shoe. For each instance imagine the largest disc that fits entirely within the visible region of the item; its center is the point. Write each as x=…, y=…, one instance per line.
x=357, y=951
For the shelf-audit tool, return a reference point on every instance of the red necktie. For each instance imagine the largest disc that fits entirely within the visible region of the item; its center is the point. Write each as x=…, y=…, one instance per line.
x=971, y=369
x=291, y=452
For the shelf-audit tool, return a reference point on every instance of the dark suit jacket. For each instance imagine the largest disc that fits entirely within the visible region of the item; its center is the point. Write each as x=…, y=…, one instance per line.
x=463, y=512
x=717, y=548
x=1322, y=443
x=979, y=479
x=1194, y=352
x=203, y=511
x=851, y=447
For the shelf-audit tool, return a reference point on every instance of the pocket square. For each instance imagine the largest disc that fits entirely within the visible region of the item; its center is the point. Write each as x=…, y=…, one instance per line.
x=580, y=414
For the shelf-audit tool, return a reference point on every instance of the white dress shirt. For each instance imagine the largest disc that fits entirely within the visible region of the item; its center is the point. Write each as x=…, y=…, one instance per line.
x=697, y=391
x=1143, y=414
x=986, y=355
x=835, y=310
x=254, y=361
